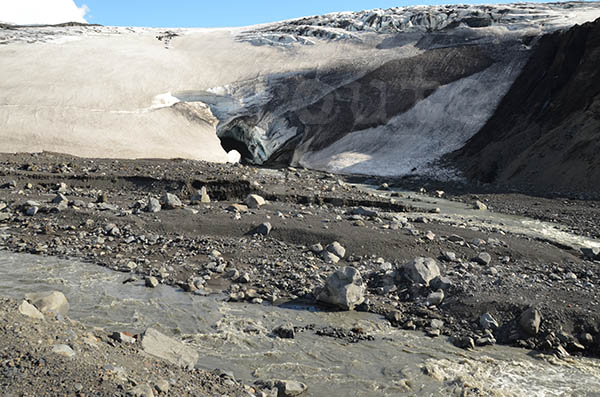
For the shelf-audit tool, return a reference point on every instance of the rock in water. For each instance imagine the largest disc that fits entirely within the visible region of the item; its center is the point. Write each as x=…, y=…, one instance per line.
x=344, y=288
x=27, y=309
x=201, y=196
x=175, y=352
x=170, y=201
x=49, y=302
x=290, y=388
x=421, y=270
x=255, y=201
x=151, y=282
x=478, y=205
x=591, y=253
x=530, y=321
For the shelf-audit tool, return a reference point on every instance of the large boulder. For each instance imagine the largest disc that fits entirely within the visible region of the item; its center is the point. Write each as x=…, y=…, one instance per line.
x=169, y=349
x=49, y=302
x=344, y=288
x=27, y=309
x=336, y=249
x=421, y=270
x=255, y=201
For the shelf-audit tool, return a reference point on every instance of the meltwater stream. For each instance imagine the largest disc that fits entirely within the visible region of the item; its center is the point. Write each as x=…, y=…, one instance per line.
x=235, y=337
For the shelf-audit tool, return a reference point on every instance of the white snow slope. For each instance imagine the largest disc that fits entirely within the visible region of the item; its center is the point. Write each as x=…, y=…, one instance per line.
x=139, y=92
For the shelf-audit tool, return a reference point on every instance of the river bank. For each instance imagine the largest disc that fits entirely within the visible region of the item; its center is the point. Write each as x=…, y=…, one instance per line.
x=97, y=211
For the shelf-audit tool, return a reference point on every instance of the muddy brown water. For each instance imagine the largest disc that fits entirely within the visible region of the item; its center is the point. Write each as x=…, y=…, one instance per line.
x=237, y=338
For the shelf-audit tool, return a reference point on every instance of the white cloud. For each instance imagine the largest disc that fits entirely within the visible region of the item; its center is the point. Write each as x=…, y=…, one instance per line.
x=26, y=12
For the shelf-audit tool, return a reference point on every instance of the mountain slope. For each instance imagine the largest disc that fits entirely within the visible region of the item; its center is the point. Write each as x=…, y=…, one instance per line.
x=545, y=133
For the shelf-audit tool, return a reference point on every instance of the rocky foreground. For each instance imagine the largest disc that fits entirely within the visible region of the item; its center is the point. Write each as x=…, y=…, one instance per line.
x=273, y=236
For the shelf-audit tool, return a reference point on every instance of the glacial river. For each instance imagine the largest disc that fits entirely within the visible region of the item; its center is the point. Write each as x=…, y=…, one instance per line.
x=237, y=337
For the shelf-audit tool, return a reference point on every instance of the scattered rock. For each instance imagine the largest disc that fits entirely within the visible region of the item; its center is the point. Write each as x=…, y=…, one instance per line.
x=239, y=208
x=63, y=350
x=151, y=282
x=290, y=388
x=49, y=302
x=336, y=249
x=483, y=258
x=478, y=205
x=530, y=321
x=421, y=270
x=255, y=201
x=435, y=298
x=441, y=282
x=201, y=196
x=264, y=229
x=449, y=256
x=487, y=321
x=142, y=391
x=153, y=205
x=591, y=253
x=329, y=257
x=170, y=201
x=344, y=288
x=27, y=309
x=285, y=331
x=316, y=248
x=166, y=348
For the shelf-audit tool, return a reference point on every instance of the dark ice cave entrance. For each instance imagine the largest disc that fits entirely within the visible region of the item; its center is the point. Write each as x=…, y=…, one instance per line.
x=229, y=144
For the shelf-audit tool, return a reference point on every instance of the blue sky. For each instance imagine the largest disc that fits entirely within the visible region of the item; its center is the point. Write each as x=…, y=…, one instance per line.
x=221, y=13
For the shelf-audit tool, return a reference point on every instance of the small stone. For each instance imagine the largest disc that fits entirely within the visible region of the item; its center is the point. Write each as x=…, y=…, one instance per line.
x=344, y=288
x=441, y=282
x=264, y=229
x=49, y=302
x=449, y=256
x=290, y=388
x=483, y=258
x=285, y=331
x=328, y=257
x=430, y=236
x=122, y=337
x=162, y=386
x=530, y=321
x=336, y=249
x=201, y=196
x=255, y=201
x=153, y=205
x=487, y=321
x=487, y=341
x=170, y=201
x=435, y=298
x=151, y=282
x=464, y=342
x=142, y=391
x=59, y=198
x=63, y=350
x=437, y=324
x=421, y=270
x=478, y=205
x=239, y=208
x=31, y=211
x=316, y=248
x=27, y=309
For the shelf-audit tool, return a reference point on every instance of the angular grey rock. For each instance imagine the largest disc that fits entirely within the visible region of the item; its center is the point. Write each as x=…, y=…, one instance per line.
x=591, y=253
x=336, y=249
x=530, y=321
x=153, y=205
x=141, y=391
x=169, y=349
x=435, y=298
x=27, y=309
x=49, y=302
x=162, y=386
x=478, y=205
x=290, y=388
x=449, y=256
x=263, y=228
x=254, y=201
x=344, y=288
x=364, y=212
x=441, y=282
x=151, y=282
x=170, y=201
x=329, y=257
x=201, y=196
x=31, y=211
x=239, y=208
x=316, y=248
x=421, y=270
x=285, y=331
x=487, y=321
x=59, y=198
x=63, y=350
x=437, y=324
x=2, y=205
x=483, y=258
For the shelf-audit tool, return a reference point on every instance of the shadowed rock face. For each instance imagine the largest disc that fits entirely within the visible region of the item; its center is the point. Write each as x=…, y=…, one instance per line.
x=546, y=131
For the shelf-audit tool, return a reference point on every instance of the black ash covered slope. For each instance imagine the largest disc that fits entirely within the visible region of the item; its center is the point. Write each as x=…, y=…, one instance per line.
x=545, y=133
